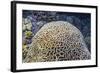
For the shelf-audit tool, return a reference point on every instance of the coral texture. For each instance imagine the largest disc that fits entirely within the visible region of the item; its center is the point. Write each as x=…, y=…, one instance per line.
x=57, y=41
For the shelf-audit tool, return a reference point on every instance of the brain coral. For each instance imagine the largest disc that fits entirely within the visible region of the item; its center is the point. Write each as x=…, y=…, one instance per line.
x=57, y=41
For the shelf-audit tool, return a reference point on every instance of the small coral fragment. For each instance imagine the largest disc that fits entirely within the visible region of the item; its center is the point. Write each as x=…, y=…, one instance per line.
x=28, y=34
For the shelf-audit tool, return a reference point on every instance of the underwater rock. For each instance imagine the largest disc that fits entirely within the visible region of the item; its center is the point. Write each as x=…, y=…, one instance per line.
x=70, y=19
x=27, y=25
x=27, y=34
x=40, y=24
x=57, y=41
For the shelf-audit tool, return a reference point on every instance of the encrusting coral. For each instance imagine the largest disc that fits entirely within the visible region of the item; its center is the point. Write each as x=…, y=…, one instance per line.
x=57, y=41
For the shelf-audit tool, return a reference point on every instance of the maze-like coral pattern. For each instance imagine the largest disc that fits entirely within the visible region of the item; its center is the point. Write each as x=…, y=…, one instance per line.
x=57, y=41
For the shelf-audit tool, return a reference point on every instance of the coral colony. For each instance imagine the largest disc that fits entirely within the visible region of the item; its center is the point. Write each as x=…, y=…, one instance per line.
x=55, y=36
